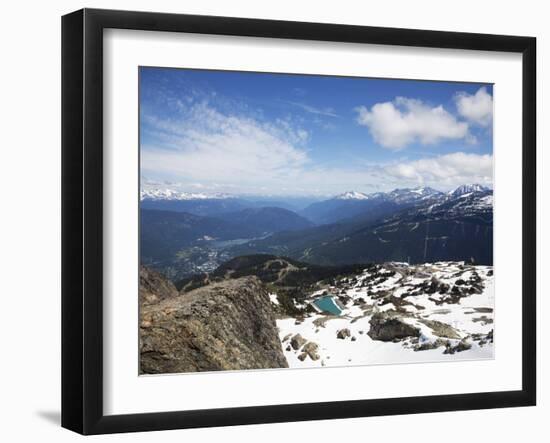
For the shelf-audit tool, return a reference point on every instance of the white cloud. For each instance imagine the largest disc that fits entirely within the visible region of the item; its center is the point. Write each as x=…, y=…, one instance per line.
x=203, y=145
x=207, y=150
x=327, y=112
x=476, y=108
x=404, y=121
x=445, y=171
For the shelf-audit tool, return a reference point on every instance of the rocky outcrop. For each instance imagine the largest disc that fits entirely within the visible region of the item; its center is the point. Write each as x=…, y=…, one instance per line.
x=387, y=327
x=441, y=329
x=154, y=287
x=228, y=325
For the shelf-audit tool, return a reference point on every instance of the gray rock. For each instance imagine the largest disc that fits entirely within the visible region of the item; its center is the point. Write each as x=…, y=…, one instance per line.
x=228, y=325
x=441, y=329
x=154, y=287
x=297, y=342
x=310, y=349
x=431, y=345
x=343, y=333
x=388, y=327
x=462, y=345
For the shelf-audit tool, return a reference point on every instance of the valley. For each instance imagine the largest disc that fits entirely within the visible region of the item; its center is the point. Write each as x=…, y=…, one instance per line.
x=410, y=225
x=359, y=279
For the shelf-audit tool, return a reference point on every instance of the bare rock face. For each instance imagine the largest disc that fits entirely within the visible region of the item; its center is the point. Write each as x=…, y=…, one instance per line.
x=154, y=287
x=386, y=327
x=228, y=325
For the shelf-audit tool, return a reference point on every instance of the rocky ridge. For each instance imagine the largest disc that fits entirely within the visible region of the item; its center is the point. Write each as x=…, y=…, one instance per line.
x=228, y=325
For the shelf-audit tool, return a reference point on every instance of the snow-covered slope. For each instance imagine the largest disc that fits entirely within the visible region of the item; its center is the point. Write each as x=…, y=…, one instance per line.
x=401, y=196
x=396, y=313
x=352, y=195
x=412, y=195
x=171, y=194
x=467, y=189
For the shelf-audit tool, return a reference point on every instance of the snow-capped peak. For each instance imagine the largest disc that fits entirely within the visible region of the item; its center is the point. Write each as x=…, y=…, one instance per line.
x=412, y=195
x=418, y=190
x=170, y=194
x=467, y=189
x=352, y=195
x=424, y=190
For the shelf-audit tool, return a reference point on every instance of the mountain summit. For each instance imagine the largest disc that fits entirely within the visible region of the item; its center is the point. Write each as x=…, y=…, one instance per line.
x=352, y=195
x=467, y=189
x=412, y=195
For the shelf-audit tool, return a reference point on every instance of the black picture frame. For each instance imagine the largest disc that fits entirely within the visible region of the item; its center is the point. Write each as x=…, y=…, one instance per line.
x=82, y=217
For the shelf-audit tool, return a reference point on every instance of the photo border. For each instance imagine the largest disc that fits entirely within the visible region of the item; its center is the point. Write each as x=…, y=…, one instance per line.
x=82, y=220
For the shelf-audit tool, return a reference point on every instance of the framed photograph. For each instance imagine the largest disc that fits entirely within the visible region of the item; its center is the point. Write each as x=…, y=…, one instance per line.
x=269, y=221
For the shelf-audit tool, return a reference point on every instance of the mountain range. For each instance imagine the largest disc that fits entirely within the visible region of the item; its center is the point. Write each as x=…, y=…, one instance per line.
x=414, y=225
x=350, y=204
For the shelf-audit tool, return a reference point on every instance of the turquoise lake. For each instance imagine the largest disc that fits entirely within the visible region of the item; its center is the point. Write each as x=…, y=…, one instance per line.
x=327, y=304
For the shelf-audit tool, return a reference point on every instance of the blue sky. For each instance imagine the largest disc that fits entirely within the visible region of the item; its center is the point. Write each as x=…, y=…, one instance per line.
x=283, y=134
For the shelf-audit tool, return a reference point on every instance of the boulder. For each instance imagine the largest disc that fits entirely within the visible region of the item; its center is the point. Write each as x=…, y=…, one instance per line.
x=462, y=345
x=433, y=286
x=430, y=345
x=297, y=342
x=310, y=349
x=388, y=327
x=342, y=334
